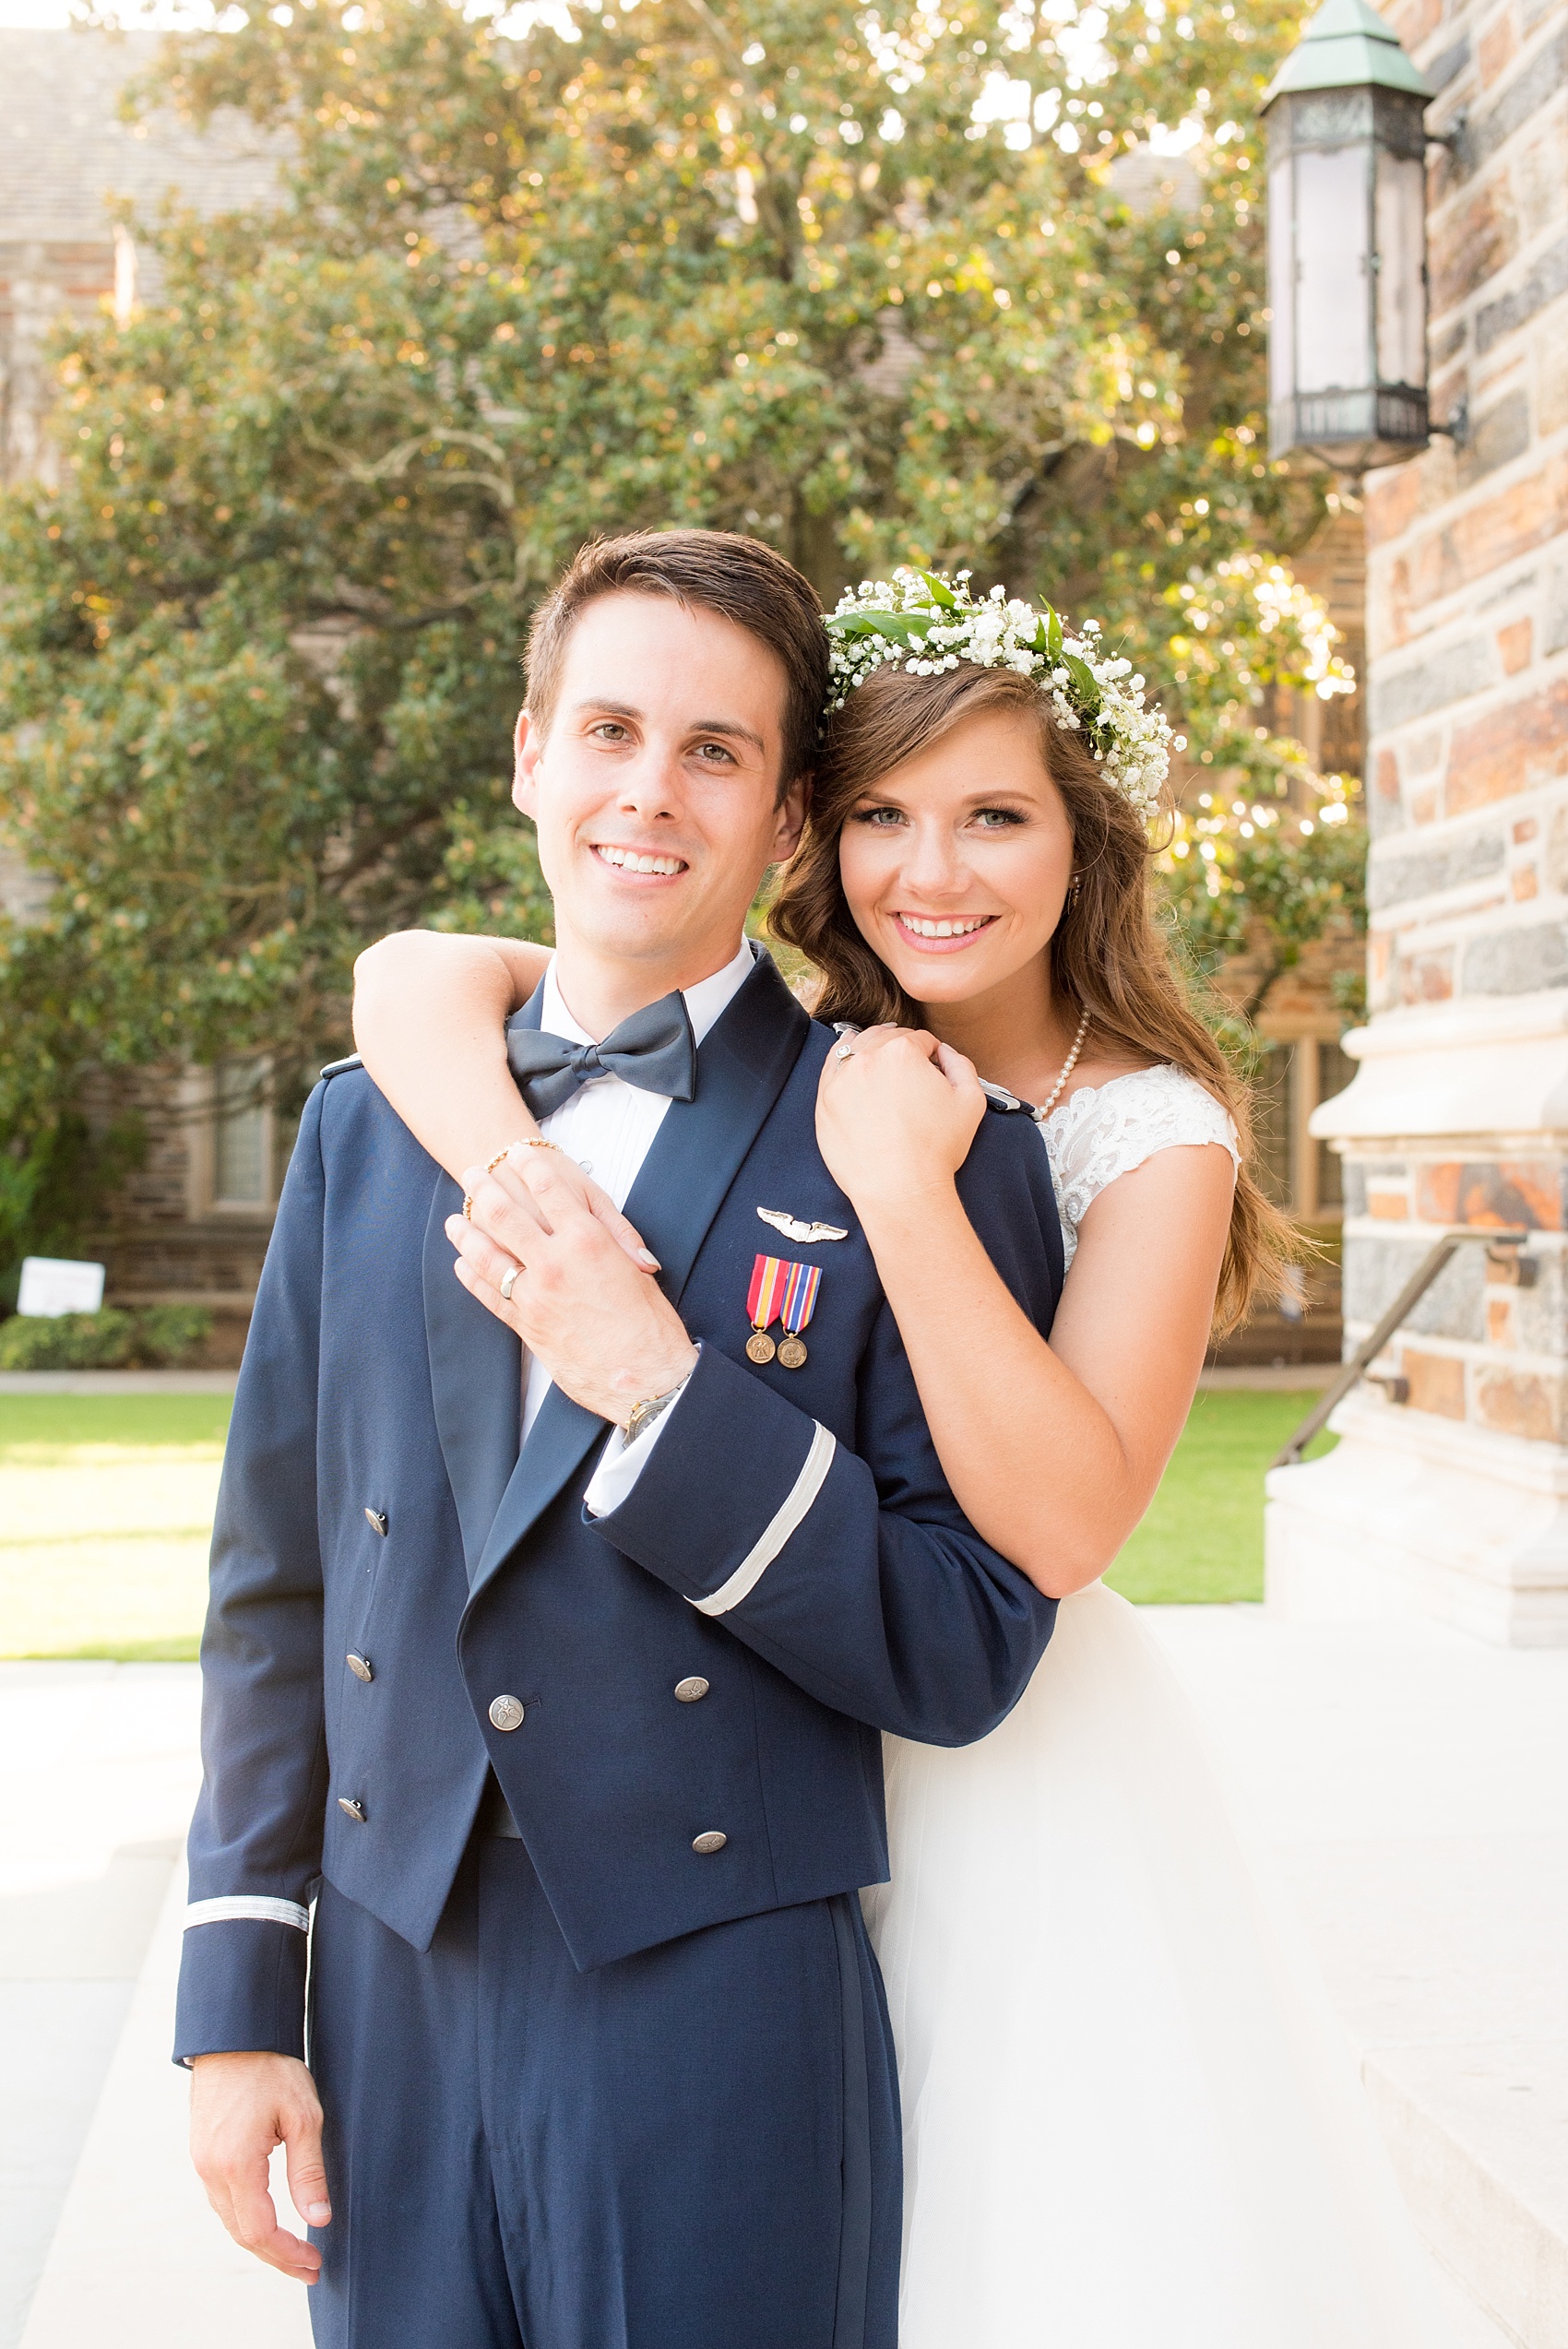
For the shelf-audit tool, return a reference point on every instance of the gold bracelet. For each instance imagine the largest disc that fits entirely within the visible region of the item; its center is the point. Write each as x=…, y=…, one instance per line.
x=523, y=1142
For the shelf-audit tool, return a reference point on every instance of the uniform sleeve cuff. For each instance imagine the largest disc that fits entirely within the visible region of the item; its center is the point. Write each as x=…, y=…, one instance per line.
x=241, y=1986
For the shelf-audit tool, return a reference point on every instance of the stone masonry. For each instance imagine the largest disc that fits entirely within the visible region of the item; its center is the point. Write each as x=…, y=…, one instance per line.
x=65, y=159
x=1452, y=1500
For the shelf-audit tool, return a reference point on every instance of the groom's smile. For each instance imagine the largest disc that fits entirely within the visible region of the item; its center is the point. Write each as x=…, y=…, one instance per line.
x=654, y=864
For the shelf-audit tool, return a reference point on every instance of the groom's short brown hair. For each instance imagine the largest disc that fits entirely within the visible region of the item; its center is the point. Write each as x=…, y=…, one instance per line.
x=740, y=578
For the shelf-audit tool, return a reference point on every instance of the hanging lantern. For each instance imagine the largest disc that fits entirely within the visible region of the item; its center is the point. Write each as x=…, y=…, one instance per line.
x=1347, y=245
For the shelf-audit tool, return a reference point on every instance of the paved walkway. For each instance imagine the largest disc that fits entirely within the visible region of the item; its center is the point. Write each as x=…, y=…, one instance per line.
x=104, y=2233
x=1414, y=1785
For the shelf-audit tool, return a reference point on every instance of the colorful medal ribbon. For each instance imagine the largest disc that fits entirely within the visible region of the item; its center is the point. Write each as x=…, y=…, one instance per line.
x=783, y=1292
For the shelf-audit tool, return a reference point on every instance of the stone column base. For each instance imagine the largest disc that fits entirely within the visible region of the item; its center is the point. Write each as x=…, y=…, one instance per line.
x=1414, y=1514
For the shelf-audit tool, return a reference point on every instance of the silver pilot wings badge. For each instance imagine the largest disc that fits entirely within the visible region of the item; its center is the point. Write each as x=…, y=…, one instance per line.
x=803, y=1234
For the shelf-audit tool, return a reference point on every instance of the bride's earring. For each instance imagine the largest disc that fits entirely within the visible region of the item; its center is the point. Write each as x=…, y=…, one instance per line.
x=1074, y=886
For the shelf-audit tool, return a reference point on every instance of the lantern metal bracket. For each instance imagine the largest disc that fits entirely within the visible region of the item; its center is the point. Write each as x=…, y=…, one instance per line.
x=1458, y=428
x=1453, y=136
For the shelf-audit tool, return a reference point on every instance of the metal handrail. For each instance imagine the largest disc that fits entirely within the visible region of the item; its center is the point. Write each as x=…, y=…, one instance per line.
x=1415, y=1288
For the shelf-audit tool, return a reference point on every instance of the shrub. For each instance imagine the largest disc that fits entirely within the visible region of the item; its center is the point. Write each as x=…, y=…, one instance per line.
x=66, y=1341
x=111, y=1340
x=171, y=1333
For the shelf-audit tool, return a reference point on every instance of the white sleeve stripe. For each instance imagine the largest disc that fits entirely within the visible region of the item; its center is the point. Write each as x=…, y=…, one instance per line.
x=248, y=1905
x=754, y=1565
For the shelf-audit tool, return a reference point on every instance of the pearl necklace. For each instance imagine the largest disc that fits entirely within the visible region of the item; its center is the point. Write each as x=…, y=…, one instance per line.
x=1068, y=1065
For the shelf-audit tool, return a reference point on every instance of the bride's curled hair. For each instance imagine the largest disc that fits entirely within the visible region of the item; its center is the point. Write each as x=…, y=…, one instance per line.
x=1108, y=956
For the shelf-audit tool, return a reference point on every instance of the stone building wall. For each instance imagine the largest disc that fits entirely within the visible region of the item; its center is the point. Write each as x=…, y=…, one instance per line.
x=170, y=1238
x=65, y=159
x=1453, y=1497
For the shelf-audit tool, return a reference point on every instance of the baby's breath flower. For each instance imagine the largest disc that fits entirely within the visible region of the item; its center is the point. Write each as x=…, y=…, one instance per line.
x=931, y=621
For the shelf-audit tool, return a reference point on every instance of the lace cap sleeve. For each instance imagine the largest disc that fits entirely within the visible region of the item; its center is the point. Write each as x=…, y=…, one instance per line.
x=1106, y=1130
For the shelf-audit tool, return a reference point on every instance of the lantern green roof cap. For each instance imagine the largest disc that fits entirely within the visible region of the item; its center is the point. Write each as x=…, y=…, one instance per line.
x=1348, y=46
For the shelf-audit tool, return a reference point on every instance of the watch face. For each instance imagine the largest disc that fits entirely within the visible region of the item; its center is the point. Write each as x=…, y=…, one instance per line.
x=644, y=1414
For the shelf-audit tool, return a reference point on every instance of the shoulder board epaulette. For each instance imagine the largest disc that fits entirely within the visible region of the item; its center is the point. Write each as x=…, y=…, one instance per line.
x=998, y=1098
x=338, y=1068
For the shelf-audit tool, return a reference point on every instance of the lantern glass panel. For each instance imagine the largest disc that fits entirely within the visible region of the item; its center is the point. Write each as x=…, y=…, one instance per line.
x=1332, y=321
x=1281, y=283
x=1401, y=292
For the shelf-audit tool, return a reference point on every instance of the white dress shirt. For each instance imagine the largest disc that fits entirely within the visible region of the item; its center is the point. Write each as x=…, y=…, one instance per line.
x=608, y=1126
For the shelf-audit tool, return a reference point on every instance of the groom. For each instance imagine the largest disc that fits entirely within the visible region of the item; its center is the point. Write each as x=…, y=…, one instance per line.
x=547, y=1654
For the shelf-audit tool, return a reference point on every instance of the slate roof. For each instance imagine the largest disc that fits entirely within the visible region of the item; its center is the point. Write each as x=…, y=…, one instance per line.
x=64, y=150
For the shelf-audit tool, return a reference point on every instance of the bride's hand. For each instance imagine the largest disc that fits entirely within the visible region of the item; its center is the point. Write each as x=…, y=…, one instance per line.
x=896, y=1116
x=582, y=1187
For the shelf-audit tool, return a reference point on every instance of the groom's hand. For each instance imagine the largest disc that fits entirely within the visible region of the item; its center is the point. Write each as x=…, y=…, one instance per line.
x=241, y=2105
x=607, y=1334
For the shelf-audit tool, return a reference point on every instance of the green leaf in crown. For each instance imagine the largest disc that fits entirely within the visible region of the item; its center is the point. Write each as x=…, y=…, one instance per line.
x=897, y=627
x=939, y=590
x=1087, y=694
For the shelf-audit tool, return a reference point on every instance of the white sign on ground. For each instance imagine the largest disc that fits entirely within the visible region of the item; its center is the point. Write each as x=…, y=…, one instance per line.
x=54, y=1285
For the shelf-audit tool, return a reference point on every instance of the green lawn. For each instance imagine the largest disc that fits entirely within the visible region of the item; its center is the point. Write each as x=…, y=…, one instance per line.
x=40, y=1427
x=105, y=1515
x=1203, y=1537
x=106, y=1504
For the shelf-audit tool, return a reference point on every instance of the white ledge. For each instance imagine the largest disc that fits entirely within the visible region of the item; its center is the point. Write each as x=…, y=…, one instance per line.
x=1516, y=1464
x=1486, y=1065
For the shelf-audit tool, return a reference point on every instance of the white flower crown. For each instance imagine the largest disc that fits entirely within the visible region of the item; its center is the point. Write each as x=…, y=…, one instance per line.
x=930, y=622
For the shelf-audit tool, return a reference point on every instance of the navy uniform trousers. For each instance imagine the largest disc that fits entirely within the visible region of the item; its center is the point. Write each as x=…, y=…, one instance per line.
x=730, y=2098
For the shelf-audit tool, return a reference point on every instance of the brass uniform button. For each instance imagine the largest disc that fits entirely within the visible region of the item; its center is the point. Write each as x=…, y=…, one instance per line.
x=352, y=1805
x=376, y=1520
x=360, y=1666
x=689, y=1691
x=710, y=1841
x=506, y=1712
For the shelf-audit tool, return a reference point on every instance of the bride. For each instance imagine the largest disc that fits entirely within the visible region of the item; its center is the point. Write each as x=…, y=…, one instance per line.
x=1130, y=2118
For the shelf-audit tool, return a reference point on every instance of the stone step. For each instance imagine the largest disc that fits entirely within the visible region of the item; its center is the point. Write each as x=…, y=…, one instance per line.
x=1479, y=2141
x=1413, y=1784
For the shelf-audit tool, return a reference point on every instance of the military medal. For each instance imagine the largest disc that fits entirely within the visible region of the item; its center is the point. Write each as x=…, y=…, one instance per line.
x=769, y=1278
x=800, y=1303
x=788, y=1292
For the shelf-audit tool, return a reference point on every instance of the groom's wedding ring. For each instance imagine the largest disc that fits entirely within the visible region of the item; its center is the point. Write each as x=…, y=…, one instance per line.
x=507, y=1277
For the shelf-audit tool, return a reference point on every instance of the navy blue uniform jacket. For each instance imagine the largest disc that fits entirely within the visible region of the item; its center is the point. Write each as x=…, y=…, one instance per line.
x=791, y=1541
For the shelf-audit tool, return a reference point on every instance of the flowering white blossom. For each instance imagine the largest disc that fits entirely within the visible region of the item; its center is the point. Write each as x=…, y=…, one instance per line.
x=930, y=622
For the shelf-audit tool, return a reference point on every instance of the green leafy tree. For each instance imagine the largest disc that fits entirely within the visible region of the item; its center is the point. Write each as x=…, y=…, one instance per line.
x=860, y=279
x=1251, y=884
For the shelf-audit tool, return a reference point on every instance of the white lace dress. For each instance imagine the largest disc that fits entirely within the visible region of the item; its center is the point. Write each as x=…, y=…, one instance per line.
x=1131, y=2119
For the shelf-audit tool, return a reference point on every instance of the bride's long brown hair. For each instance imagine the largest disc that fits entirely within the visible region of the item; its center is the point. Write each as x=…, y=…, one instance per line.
x=1108, y=954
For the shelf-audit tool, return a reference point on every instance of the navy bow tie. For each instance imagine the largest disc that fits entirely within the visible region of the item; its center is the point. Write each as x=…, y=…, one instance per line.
x=654, y=1049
